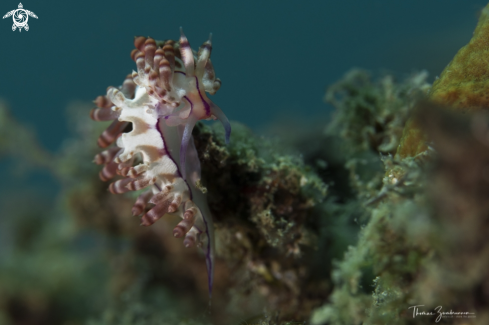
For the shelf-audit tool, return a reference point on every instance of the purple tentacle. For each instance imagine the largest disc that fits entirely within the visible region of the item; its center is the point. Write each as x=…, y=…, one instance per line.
x=217, y=112
x=193, y=162
x=209, y=261
x=187, y=135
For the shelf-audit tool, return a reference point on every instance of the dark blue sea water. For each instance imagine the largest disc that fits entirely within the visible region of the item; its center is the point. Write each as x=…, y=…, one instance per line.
x=273, y=57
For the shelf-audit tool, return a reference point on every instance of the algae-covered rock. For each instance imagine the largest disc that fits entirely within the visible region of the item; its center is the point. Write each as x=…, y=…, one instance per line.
x=369, y=118
x=373, y=274
x=371, y=115
x=462, y=86
x=464, y=82
x=425, y=241
x=264, y=204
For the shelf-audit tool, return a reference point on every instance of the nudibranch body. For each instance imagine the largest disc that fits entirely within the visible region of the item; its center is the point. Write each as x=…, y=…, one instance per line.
x=162, y=101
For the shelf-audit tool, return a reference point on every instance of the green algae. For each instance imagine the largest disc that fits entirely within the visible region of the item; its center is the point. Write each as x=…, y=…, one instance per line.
x=262, y=199
x=327, y=226
x=429, y=214
x=371, y=114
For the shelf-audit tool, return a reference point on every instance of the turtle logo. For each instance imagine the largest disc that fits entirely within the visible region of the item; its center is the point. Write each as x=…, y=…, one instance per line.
x=20, y=17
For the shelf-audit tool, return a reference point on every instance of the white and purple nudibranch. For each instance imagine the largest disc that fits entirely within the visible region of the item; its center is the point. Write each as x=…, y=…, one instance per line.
x=153, y=113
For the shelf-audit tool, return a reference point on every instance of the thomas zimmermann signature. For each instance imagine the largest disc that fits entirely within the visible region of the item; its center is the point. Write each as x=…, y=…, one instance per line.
x=439, y=314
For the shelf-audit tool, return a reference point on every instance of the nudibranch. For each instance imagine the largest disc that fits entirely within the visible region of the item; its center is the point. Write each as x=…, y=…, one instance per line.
x=153, y=113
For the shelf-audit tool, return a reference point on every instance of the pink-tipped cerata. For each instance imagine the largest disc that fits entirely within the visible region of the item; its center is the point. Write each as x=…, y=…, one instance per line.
x=149, y=143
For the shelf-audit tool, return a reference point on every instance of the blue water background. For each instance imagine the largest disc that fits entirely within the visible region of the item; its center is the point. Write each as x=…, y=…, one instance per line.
x=275, y=58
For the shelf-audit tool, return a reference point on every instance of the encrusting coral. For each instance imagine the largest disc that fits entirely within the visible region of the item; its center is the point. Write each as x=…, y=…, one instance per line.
x=463, y=86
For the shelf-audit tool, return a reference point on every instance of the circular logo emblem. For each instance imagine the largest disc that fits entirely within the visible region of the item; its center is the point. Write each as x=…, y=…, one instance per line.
x=20, y=17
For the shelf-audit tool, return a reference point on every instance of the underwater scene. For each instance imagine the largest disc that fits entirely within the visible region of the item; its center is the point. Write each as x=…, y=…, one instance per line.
x=244, y=163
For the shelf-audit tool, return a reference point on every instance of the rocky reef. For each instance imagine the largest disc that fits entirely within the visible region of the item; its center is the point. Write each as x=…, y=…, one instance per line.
x=263, y=201
x=425, y=240
x=422, y=255
x=381, y=211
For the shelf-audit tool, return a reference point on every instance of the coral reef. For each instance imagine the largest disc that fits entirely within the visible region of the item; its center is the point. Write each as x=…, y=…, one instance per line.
x=264, y=205
x=334, y=226
x=275, y=234
x=264, y=220
x=425, y=241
